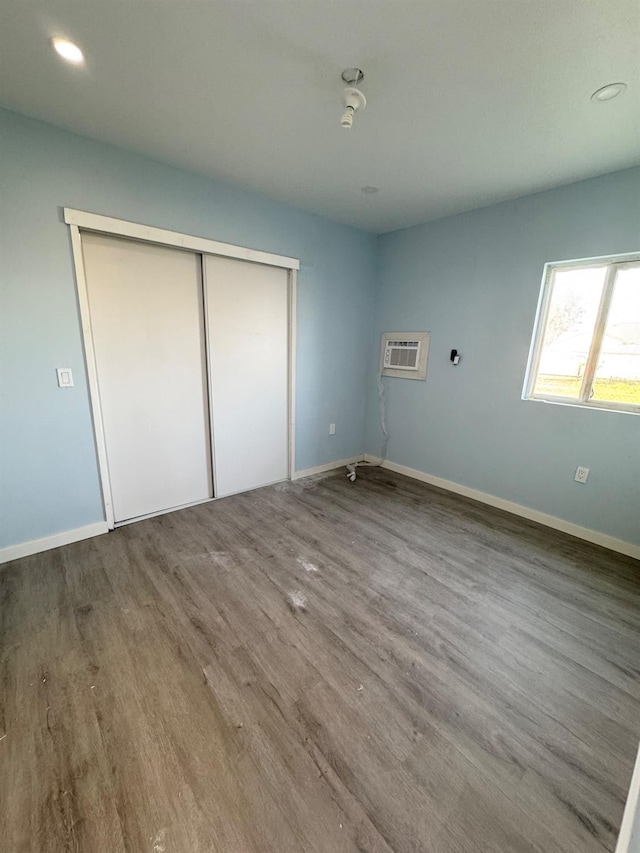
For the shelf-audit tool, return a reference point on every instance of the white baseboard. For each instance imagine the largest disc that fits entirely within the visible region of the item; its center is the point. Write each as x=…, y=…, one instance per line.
x=328, y=466
x=586, y=533
x=35, y=546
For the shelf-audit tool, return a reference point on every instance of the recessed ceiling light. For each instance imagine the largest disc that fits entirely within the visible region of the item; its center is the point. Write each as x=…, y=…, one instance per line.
x=608, y=92
x=369, y=190
x=68, y=50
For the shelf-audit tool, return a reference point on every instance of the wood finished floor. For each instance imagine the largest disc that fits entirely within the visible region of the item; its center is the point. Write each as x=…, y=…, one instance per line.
x=459, y=680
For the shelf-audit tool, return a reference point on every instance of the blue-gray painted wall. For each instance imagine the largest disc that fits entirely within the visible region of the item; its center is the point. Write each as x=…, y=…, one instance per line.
x=48, y=471
x=473, y=280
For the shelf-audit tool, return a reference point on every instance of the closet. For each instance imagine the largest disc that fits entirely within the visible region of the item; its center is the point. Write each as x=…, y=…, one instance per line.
x=247, y=318
x=190, y=355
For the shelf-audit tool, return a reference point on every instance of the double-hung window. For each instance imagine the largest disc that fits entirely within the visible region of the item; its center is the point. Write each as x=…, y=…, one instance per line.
x=586, y=343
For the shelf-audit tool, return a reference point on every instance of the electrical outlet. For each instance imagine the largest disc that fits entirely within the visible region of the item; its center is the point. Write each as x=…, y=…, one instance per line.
x=581, y=474
x=332, y=429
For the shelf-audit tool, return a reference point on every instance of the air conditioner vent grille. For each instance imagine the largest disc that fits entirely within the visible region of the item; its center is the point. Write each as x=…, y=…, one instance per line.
x=405, y=356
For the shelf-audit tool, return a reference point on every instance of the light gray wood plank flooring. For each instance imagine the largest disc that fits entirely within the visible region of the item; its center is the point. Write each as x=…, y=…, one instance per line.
x=321, y=667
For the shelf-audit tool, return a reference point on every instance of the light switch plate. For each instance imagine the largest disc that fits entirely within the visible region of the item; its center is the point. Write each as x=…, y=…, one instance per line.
x=65, y=377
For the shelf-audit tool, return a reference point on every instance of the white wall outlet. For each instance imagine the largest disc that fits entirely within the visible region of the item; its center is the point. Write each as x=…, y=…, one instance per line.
x=65, y=377
x=332, y=429
x=581, y=474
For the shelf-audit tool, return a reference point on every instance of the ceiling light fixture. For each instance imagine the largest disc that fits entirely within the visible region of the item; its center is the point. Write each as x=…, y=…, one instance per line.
x=608, y=92
x=352, y=99
x=68, y=50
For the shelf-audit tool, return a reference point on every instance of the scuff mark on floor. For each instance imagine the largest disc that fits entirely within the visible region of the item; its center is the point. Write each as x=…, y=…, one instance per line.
x=307, y=566
x=305, y=483
x=222, y=558
x=159, y=845
x=297, y=600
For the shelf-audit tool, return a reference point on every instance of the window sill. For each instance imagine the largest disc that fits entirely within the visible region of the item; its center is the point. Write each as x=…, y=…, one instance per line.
x=594, y=407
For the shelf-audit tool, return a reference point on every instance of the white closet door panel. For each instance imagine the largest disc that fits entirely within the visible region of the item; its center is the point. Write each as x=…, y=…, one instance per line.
x=247, y=319
x=146, y=310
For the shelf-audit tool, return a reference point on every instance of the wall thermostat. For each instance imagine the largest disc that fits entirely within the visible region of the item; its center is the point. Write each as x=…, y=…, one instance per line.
x=404, y=354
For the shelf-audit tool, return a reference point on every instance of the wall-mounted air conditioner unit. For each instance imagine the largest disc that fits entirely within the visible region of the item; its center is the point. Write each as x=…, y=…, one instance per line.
x=404, y=354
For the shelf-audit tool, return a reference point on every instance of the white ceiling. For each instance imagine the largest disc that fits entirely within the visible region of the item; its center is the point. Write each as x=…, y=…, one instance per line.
x=470, y=101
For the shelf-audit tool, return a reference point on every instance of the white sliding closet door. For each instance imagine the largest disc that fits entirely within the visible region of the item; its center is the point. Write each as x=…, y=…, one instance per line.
x=247, y=319
x=146, y=308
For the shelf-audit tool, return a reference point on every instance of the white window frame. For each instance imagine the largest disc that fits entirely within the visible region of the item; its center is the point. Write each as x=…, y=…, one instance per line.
x=613, y=263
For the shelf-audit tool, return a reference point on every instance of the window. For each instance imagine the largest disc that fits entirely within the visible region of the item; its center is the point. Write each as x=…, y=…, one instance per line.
x=586, y=344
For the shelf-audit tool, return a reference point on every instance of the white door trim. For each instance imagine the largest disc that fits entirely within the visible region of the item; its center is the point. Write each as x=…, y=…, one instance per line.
x=207, y=344
x=92, y=376
x=293, y=296
x=150, y=234
x=80, y=221
x=630, y=821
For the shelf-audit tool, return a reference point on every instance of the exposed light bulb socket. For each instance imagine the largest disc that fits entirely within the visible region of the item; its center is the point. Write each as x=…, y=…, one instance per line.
x=347, y=118
x=353, y=100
